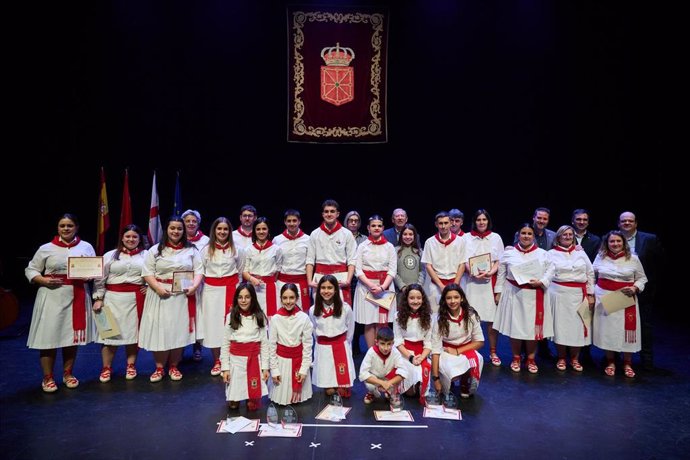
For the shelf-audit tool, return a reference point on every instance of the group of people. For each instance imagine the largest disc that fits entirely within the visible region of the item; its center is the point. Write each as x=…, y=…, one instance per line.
x=248, y=300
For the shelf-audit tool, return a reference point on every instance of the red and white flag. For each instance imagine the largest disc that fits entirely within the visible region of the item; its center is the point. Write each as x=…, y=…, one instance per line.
x=155, y=232
x=103, y=215
x=126, y=210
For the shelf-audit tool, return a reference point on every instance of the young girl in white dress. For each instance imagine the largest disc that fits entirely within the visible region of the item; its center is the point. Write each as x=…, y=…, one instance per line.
x=334, y=326
x=290, y=345
x=244, y=353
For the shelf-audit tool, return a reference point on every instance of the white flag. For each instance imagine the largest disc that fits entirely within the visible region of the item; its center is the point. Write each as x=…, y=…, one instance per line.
x=155, y=232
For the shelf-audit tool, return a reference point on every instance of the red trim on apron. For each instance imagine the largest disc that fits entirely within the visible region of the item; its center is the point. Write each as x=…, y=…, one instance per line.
x=330, y=269
x=583, y=287
x=418, y=348
x=130, y=287
x=337, y=344
x=78, y=306
x=271, y=299
x=380, y=276
x=471, y=356
x=303, y=283
x=630, y=312
x=230, y=284
x=191, y=304
x=539, y=316
x=295, y=355
x=251, y=351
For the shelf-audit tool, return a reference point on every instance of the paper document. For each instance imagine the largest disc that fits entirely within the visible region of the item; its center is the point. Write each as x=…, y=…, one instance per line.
x=287, y=430
x=389, y=416
x=333, y=413
x=523, y=273
x=616, y=300
x=442, y=413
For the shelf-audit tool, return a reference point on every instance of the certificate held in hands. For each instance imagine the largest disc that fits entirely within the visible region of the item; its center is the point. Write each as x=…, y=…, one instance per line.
x=383, y=300
x=105, y=323
x=482, y=262
x=182, y=280
x=84, y=267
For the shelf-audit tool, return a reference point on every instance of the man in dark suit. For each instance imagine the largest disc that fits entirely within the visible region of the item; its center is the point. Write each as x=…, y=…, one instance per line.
x=543, y=237
x=648, y=248
x=399, y=219
x=589, y=242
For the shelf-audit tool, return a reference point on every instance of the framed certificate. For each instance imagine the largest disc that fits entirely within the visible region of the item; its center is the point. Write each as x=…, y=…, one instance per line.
x=481, y=262
x=182, y=280
x=105, y=323
x=383, y=300
x=84, y=267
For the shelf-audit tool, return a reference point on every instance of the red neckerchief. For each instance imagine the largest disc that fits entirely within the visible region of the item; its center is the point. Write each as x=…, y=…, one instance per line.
x=526, y=251
x=174, y=246
x=381, y=240
x=480, y=234
x=560, y=248
x=299, y=234
x=327, y=311
x=414, y=315
x=58, y=242
x=460, y=233
x=223, y=247
x=245, y=313
x=196, y=237
x=381, y=355
x=615, y=256
x=266, y=245
x=133, y=252
x=450, y=240
x=456, y=321
x=285, y=312
x=337, y=227
x=242, y=232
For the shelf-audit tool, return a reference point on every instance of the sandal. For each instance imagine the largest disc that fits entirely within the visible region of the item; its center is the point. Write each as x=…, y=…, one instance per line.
x=610, y=369
x=157, y=375
x=215, y=370
x=106, y=373
x=495, y=360
x=515, y=364
x=69, y=380
x=131, y=371
x=48, y=384
x=628, y=370
x=560, y=364
x=577, y=367
x=174, y=373
x=344, y=392
x=532, y=366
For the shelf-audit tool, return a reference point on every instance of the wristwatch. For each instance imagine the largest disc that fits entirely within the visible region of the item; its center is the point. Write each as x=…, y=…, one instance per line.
x=435, y=377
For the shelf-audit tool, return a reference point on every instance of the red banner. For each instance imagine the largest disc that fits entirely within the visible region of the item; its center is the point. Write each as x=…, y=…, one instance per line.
x=103, y=215
x=337, y=74
x=126, y=209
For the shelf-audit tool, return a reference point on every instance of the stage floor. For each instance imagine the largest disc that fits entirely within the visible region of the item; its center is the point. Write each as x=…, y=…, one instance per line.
x=548, y=415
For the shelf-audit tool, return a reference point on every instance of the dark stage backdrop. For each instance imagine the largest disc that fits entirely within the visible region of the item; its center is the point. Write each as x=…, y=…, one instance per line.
x=504, y=105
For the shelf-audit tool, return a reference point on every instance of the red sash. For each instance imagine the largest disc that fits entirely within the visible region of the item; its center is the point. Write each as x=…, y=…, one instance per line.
x=191, y=304
x=337, y=344
x=539, y=317
x=78, y=306
x=271, y=299
x=381, y=277
x=630, y=312
x=301, y=281
x=418, y=348
x=230, y=284
x=573, y=284
x=294, y=354
x=130, y=287
x=330, y=269
x=251, y=351
x=471, y=356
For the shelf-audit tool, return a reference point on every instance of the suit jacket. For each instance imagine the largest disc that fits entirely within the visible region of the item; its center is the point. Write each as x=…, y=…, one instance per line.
x=590, y=243
x=648, y=248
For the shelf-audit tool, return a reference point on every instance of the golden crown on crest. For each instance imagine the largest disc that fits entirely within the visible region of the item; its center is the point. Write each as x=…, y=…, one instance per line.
x=337, y=56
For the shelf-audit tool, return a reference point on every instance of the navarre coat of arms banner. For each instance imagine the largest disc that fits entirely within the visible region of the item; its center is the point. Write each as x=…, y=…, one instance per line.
x=337, y=74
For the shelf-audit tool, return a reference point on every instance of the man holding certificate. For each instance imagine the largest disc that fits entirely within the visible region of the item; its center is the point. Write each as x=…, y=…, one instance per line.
x=62, y=311
x=620, y=277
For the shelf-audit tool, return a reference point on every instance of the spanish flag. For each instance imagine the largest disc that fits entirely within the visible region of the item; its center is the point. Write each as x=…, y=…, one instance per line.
x=103, y=216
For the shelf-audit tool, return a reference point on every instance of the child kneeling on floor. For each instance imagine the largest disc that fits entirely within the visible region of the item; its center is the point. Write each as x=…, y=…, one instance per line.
x=384, y=370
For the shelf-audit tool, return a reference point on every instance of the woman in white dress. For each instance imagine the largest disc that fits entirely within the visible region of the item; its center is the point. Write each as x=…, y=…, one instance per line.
x=167, y=325
x=617, y=269
x=375, y=267
x=456, y=337
x=290, y=346
x=412, y=332
x=479, y=286
x=262, y=265
x=334, y=327
x=123, y=290
x=62, y=310
x=573, y=282
x=223, y=262
x=524, y=311
x=244, y=354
